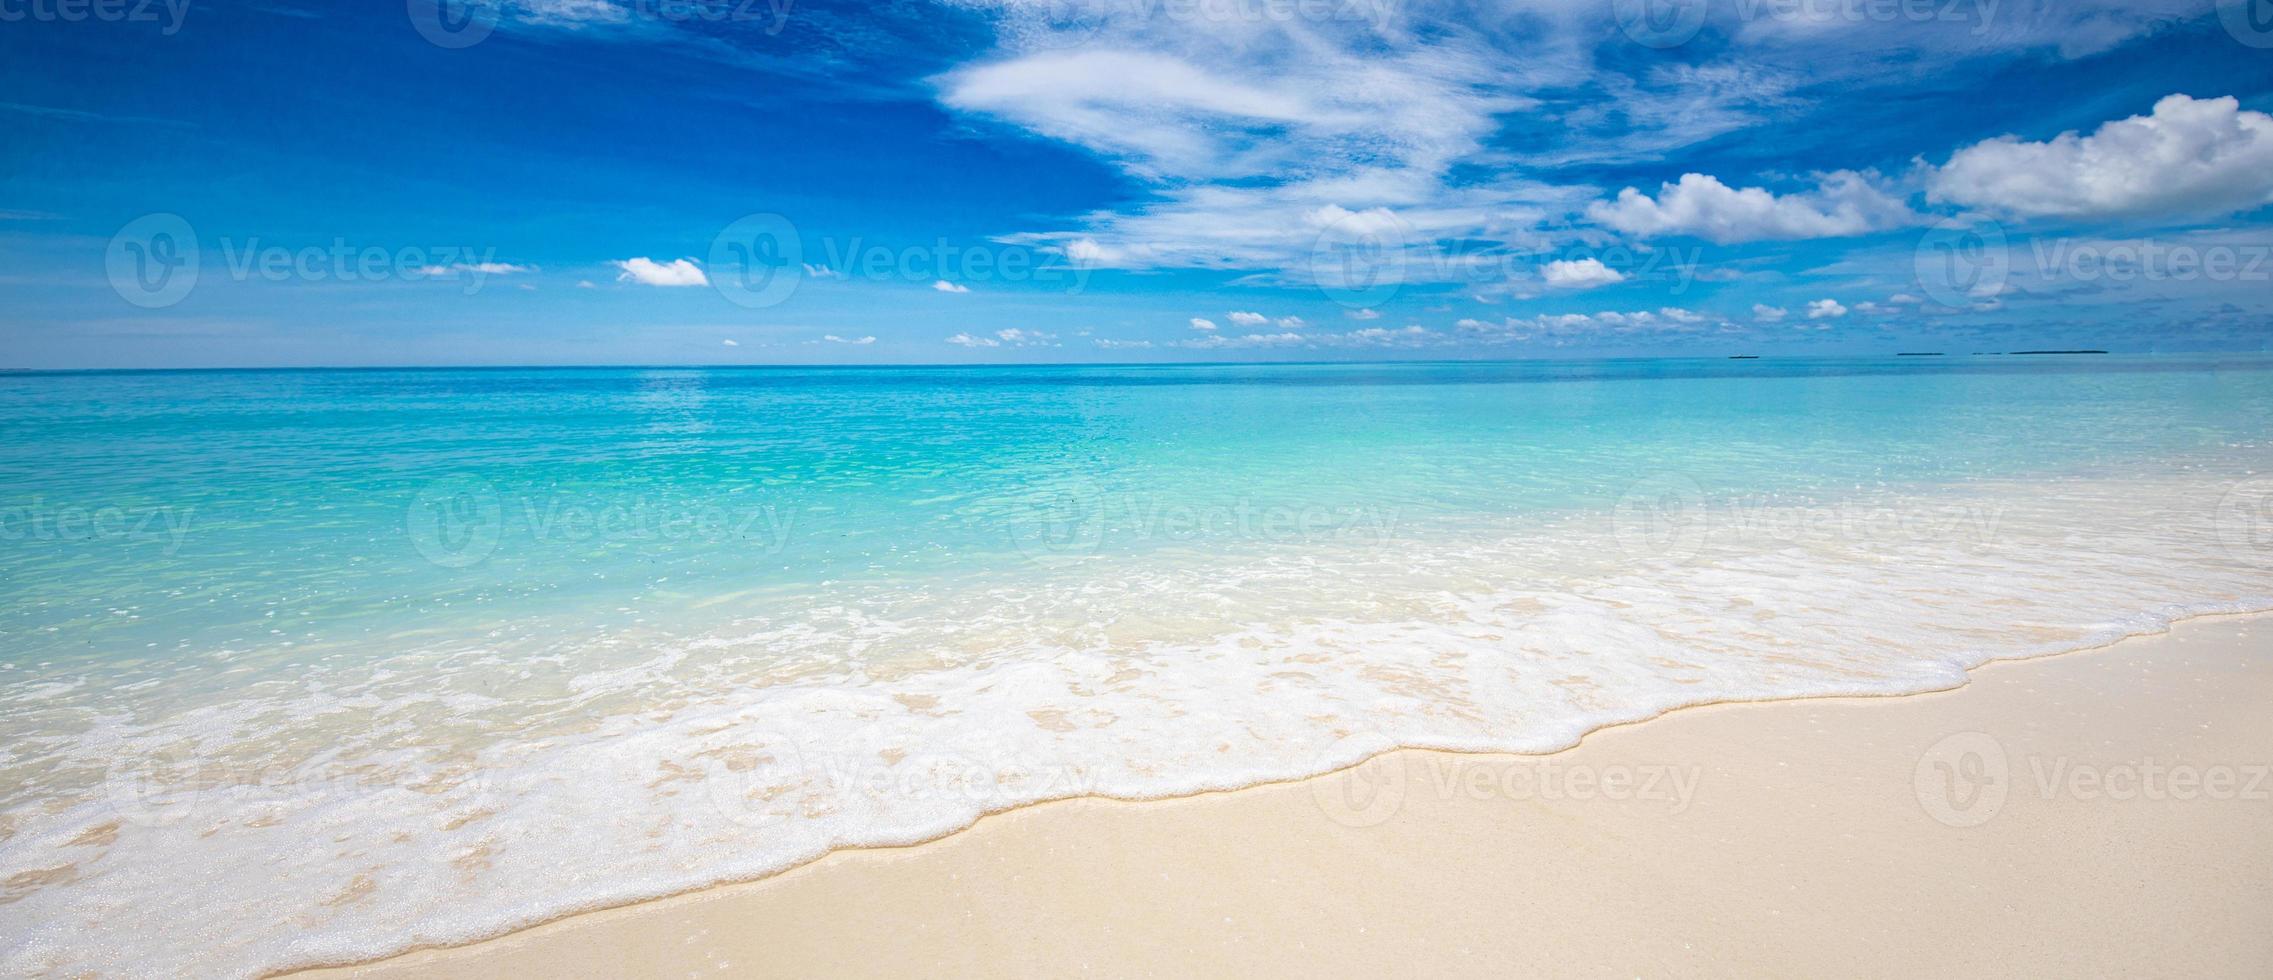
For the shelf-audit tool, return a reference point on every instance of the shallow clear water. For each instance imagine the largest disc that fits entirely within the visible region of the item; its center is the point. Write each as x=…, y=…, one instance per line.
x=304, y=666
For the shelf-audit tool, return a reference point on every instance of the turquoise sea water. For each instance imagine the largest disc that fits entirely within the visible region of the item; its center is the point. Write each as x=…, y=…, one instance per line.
x=310, y=665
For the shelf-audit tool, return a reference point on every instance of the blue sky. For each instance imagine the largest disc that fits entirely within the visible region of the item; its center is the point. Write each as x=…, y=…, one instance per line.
x=197, y=183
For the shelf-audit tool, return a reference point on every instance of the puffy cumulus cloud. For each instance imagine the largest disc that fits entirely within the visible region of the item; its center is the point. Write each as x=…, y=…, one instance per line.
x=949, y=287
x=1579, y=274
x=1769, y=314
x=1844, y=203
x=1825, y=309
x=1291, y=322
x=1009, y=337
x=1246, y=319
x=2187, y=158
x=648, y=272
x=1202, y=323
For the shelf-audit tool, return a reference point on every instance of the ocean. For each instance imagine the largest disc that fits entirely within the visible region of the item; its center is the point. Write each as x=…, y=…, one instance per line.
x=301, y=667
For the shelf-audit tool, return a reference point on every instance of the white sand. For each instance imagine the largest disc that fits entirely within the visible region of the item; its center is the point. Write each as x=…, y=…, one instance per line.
x=2120, y=811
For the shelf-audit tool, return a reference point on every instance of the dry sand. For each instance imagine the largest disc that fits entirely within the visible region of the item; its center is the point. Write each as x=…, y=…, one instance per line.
x=2096, y=813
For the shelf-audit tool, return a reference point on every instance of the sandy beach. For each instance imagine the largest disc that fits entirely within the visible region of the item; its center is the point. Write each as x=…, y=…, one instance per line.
x=2102, y=812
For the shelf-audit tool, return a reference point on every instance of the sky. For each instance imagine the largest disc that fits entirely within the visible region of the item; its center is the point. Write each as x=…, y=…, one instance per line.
x=203, y=183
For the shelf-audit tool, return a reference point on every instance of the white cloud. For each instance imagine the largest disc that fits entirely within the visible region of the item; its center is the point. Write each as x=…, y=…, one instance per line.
x=1768, y=314
x=1109, y=343
x=948, y=287
x=1825, y=309
x=477, y=268
x=1844, y=203
x=1220, y=342
x=1291, y=323
x=856, y=341
x=1016, y=337
x=648, y=272
x=585, y=284
x=820, y=271
x=1202, y=323
x=1009, y=337
x=1245, y=319
x=1579, y=274
x=730, y=343
x=1904, y=299
x=1365, y=314
x=1410, y=335
x=2190, y=157
x=1571, y=326
x=1086, y=252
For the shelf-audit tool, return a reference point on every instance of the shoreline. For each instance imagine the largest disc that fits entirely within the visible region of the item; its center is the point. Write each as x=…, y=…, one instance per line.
x=643, y=925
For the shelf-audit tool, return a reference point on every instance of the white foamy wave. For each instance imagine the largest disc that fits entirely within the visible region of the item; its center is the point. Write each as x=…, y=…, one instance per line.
x=452, y=791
